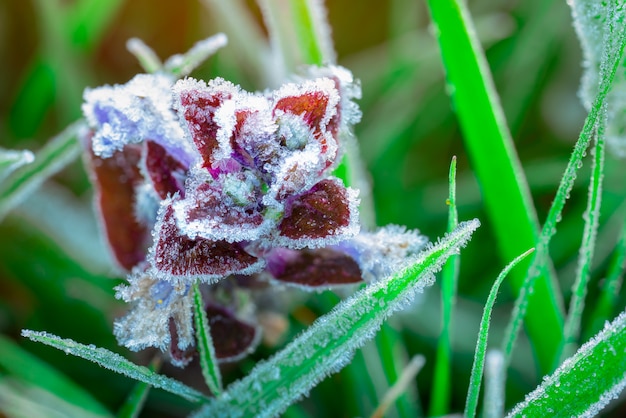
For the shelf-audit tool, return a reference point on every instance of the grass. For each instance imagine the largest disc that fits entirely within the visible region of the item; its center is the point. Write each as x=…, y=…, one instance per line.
x=494, y=87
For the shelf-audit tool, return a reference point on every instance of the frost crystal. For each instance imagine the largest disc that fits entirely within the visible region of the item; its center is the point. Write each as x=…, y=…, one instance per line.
x=232, y=184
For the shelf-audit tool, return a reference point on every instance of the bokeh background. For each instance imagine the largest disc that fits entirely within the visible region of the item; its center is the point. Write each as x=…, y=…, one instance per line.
x=53, y=272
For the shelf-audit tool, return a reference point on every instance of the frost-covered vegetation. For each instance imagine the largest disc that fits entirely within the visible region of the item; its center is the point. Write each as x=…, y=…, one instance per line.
x=256, y=219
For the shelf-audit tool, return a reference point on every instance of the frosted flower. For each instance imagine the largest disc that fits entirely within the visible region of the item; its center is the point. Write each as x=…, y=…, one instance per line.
x=207, y=182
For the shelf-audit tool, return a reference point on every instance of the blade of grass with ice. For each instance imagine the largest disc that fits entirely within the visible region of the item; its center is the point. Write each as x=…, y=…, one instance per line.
x=483, y=333
x=52, y=158
x=208, y=359
x=585, y=382
x=16, y=362
x=505, y=190
x=137, y=397
x=585, y=256
x=117, y=363
x=327, y=345
x=442, y=386
x=565, y=186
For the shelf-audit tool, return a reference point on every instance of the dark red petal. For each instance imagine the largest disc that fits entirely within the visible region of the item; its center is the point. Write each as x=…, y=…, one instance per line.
x=178, y=357
x=321, y=267
x=115, y=180
x=317, y=213
x=176, y=255
x=199, y=111
x=166, y=173
x=232, y=338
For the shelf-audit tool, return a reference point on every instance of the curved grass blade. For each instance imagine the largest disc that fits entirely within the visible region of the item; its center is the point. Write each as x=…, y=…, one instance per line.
x=208, y=359
x=504, y=187
x=481, y=344
x=115, y=362
x=19, y=363
x=585, y=256
x=327, y=345
x=585, y=382
x=565, y=186
x=442, y=386
x=52, y=158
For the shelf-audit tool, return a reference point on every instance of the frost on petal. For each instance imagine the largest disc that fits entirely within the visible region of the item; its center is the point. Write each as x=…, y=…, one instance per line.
x=316, y=103
x=176, y=258
x=197, y=103
x=159, y=310
x=321, y=267
x=130, y=113
x=165, y=172
x=384, y=251
x=324, y=215
x=226, y=209
x=233, y=338
x=115, y=180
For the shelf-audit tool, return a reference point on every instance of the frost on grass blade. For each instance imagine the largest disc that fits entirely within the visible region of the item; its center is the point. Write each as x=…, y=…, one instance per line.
x=10, y=160
x=115, y=362
x=327, y=345
x=115, y=180
x=585, y=382
x=321, y=216
x=599, y=26
x=317, y=268
x=175, y=257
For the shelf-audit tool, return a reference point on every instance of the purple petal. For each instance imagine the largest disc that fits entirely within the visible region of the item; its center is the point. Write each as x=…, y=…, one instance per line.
x=115, y=180
x=322, y=267
x=175, y=256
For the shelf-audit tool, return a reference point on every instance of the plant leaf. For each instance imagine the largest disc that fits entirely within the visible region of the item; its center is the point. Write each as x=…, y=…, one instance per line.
x=585, y=382
x=327, y=345
x=483, y=333
x=208, y=359
x=115, y=362
x=51, y=159
x=11, y=160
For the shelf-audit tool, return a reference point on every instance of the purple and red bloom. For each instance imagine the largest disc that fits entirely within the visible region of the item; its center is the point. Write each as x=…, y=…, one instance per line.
x=205, y=181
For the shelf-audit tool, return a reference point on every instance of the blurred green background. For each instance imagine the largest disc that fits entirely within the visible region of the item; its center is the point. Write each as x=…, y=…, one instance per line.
x=52, y=50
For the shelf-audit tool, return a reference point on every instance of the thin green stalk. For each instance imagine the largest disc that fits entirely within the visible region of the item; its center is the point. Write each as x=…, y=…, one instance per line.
x=52, y=158
x=585, y=256
x=481, y=344
x=505, y=190
x=565, y=186
x=612, y=284
x=206, y=350
x=442, y=386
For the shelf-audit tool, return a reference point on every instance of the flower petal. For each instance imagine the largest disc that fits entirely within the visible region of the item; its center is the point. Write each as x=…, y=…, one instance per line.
x=175, y=256
x=322, y=216
x=115, y=180
x=233, y=338
x=165, y=172
x=322, y=267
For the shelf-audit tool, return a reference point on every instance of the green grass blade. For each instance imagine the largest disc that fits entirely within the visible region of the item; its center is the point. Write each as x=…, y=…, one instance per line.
x=312, y=31
x=116, y=363
x=565, y=186
x=442, y=386
x=585, y=256
x=585, y=382
x=54, y=156
x=17, y=362
x=11, y=160
x=483, y=333
x=505, y=190
x=612, y=284
x=327, y=345
x=137, y=397
x=208, y=359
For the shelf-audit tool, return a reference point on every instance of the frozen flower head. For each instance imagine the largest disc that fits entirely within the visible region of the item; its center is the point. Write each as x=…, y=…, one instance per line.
x=203, y=181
